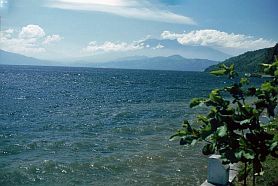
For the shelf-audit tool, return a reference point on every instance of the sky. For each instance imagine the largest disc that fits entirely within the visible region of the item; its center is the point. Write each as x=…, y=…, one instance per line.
x=73, y=29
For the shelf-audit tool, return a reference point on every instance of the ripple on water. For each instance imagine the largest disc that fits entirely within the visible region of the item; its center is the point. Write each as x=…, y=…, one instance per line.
x=82, y=126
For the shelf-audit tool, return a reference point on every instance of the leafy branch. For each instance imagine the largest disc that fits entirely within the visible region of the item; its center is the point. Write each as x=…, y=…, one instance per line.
x=232, y=127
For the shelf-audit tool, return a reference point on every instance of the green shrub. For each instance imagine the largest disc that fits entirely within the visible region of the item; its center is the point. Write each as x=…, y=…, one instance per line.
x=232, y=126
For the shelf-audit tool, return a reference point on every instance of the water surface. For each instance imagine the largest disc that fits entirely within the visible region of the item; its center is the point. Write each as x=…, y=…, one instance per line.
x=85, y=126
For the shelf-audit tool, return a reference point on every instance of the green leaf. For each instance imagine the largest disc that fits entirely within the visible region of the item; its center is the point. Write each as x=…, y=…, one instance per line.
x=186, y=140
x=249, y=155
x=185, y=132
x=208, y=149
x=244, y=81
x=267, y=87
x=274, y=149
x=242, y=142
x=195, y=102
x=222, y=131
x=187, y=126
x=238, y=155
x=244, y=122
x=215, y=96
x=219, y=72
x=180, y=133
x=232, y=73
x=232, y=67
x=173, y=137
x=274, y=145
x=194, y=142
x=265, y=65
x=203, y=119
x=206, y=131
x=276, y=73
x=223, y=66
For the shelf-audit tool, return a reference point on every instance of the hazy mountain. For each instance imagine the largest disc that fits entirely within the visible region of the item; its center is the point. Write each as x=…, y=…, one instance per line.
x=171, y=47
x=175, y=62
x=9, y=58
x=130, y=58
x=158, y=47
x=250, y=61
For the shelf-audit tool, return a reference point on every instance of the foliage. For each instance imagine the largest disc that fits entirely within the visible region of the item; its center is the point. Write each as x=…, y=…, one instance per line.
x=249, y=62
x=232, y=127
x=270, y=164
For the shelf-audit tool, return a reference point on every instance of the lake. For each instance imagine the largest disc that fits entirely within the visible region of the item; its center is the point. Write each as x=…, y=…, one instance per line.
x=86, y=126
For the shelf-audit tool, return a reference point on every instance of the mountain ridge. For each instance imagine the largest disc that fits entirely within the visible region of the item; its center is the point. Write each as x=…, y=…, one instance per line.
x=173, y=62
x=187, y=51
x=249, y=62
x=9, y=58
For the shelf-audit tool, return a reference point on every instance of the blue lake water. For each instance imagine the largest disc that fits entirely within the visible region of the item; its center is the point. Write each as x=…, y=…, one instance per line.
x=85, y=126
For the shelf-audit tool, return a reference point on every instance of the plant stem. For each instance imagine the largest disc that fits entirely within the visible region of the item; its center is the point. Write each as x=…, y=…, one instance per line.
x=254, y=177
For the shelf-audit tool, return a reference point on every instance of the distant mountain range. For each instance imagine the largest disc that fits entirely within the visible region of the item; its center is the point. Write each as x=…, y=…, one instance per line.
x=249, y=62
x=158, y=47
x=9, y=58
x=173, y=47
x=174, y=62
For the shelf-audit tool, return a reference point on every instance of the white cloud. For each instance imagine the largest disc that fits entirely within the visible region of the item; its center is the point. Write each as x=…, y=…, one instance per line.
x=170, y=35
x=18, y=45
x=159, y=46
x=108, y=46
x=218, y=39
x=139, y=9
x=31, y=31
x=30, y=40
x=52, y=39
x=9, y=31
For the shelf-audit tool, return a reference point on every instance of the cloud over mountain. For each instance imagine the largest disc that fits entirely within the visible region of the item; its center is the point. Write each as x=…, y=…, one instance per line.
x=31, y=39
x=52, y=38
x=93, y=47
x=218, y=39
